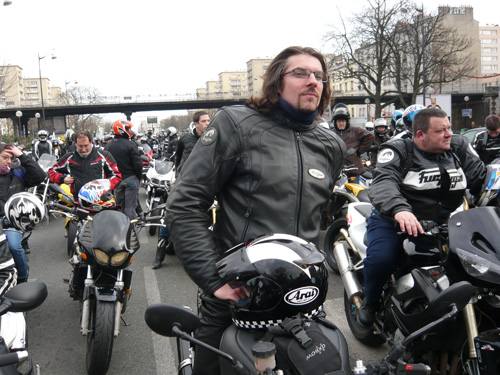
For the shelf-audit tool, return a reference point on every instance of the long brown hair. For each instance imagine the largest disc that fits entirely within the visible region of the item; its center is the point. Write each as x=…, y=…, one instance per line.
x=273, y=80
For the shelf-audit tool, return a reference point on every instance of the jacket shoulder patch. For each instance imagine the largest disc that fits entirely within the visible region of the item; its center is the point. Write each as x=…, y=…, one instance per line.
x=209, y=136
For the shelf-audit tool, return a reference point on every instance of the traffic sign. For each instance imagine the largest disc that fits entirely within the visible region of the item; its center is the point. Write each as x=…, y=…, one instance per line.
x=467, y=112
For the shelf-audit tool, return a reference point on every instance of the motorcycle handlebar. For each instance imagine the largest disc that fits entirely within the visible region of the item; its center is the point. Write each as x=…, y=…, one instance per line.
x=13, y=358
x=401, y=368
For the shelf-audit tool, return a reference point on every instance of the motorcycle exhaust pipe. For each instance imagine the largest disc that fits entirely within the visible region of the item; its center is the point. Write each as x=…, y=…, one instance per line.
x=350, y=280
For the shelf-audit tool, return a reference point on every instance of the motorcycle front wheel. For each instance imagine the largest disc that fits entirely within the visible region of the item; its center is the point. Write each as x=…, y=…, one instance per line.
x=152, y=229
x=363, y=334
x=100, y=338
x=333, y=235
x=72, y=229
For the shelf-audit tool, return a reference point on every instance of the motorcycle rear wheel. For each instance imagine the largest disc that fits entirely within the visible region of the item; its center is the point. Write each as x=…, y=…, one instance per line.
x=332, y=235
x=363, y=334
x=100, y=338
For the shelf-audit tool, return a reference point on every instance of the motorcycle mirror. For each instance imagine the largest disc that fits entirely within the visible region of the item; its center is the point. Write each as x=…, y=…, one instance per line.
x=458, y=294
x=162, y=317
x=25, y=296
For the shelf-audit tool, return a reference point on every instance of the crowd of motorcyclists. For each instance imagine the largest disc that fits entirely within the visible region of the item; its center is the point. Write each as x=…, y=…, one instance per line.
x=226, y=159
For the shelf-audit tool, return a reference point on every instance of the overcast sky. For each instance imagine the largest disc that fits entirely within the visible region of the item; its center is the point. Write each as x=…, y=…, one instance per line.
x=140, y=47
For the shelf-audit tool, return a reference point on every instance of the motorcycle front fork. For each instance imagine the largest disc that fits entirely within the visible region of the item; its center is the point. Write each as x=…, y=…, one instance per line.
x=89, y=282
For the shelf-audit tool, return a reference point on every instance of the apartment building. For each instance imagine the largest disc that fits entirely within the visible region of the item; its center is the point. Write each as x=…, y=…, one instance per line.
x=11, y=86
x=255, y=71
x=489, y=37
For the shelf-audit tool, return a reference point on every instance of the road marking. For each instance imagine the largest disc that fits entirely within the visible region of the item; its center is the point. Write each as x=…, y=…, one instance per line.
x=164, y=359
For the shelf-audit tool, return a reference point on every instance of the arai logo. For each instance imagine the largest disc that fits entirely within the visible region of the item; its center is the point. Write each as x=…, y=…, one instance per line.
x=302, y=296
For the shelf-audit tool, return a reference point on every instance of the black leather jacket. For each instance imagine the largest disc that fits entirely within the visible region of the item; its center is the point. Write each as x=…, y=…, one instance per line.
x=418, y=188
x=270, y=175
x=184, y=147
x=127, y=157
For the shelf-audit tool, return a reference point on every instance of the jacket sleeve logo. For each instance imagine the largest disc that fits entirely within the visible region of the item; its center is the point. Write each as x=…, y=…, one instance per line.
x=209, y=136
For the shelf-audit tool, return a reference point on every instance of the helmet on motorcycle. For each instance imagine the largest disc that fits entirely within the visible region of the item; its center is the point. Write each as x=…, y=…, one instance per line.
x=284, y=274
x=122, y=127
x=381, y=127
x=172, y=131
x=95, y=195
x=43, y=135
x=396, y=115
x=369, y=126
x=341, y=113
x=409, y=114
x=24, y=211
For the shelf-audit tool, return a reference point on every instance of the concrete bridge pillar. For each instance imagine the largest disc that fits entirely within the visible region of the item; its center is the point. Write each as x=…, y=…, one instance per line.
x=129, y=115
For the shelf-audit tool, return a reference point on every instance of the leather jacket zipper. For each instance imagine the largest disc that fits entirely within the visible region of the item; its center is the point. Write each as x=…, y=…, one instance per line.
x=299, y=184
x=247, y=222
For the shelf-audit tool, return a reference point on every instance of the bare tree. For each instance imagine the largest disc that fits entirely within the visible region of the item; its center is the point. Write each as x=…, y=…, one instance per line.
x=81, y=95
x=398, y=50
x=427, y=53
x=364, y=50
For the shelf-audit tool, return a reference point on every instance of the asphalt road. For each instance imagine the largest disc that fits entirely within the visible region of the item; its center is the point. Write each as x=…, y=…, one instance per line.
x=55, y=342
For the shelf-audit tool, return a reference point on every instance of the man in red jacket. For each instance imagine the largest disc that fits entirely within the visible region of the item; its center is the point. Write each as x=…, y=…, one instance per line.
x=87, y=163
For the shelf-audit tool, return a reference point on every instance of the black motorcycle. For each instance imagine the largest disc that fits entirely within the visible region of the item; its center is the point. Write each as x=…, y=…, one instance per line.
x=259, y=357
x=465, y=250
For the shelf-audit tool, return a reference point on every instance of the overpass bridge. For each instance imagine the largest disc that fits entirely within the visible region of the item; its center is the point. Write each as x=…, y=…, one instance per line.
x=127, y=106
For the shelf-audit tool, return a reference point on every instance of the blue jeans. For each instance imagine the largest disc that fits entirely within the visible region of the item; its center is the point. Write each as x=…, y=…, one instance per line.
x=164, y=232
x=383, y=254
x=14, y=239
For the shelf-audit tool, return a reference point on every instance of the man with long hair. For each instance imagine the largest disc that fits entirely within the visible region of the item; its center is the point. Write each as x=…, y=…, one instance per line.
x=272, y=168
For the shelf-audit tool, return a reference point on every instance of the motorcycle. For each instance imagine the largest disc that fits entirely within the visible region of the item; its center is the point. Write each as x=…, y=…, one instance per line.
x=463, y=249
x=344, y=193
x=258, y=357
x=159, y=179
x=13, y=305
x=101, y=254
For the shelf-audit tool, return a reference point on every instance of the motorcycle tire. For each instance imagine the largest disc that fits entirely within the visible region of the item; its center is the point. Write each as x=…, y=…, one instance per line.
x=72, y=229
x=152, y=229
x=332, y=235
x=100, y=338
x=363, y=334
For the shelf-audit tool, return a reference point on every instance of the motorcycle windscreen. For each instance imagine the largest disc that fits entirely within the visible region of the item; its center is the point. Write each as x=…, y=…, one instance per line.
x=163, y=167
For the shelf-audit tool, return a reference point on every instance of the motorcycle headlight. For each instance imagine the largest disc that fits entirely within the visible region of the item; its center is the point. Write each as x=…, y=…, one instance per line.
x=479, y=267
x=119, y=258
x=101, y=256
x=155, y=181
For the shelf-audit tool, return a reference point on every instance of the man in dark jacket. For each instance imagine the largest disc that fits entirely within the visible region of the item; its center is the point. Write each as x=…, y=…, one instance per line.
x=14, y=181
x=423, y=178
x=187, y=141
x=272, y=168
x=84, y=165
x=354, y=137
x=487, y=142
x=126, y=154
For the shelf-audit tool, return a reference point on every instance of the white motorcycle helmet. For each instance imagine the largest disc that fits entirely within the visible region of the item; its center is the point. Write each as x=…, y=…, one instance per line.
x=24, y=211
x=95, y=195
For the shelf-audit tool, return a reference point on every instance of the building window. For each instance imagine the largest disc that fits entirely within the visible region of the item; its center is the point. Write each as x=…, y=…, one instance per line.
x=490, y=67
x=489, y=41
x=488, y=32
x=489, y=49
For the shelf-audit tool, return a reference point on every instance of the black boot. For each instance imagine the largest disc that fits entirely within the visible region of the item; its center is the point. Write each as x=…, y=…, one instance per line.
x=160, y=253
x=366, y=313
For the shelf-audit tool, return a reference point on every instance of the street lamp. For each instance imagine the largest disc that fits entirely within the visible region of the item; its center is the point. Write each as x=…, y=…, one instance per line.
x=41, y=88
x=466, y=100
x=19, y=114
x=367, y=102
x=37, y=115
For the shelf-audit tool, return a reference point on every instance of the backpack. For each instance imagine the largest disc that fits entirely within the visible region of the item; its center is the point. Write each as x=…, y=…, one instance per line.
x=304, y=348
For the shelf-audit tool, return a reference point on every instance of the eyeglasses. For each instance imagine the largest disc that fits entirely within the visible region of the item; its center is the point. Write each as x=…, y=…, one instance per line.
x=305, y=73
